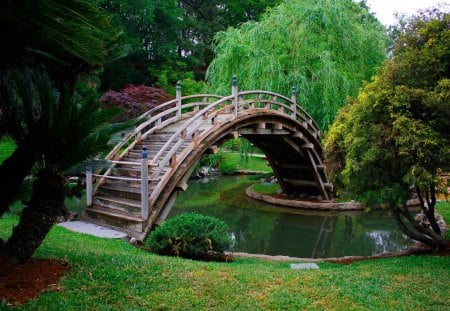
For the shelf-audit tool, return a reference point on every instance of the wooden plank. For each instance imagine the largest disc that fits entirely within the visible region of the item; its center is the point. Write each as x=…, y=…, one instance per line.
x=261, y=125
x=294, y=146
x=233, y=135
x=212, y=150
x=277, y=126
x=299, y=182
x=298, y=135
x=262, y=131
x=182, y=186
x=317, y=176
x=173, y=161
x=299, y=167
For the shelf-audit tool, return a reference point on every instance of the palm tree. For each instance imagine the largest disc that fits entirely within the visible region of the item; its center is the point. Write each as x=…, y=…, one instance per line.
x=62, y=37
x=64, y=132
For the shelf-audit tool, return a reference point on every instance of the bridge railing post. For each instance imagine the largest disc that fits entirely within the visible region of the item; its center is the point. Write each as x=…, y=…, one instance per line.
x=178, y=97
x=89, y=186
x=144, y=183
x=294, y=100
x=234, y=92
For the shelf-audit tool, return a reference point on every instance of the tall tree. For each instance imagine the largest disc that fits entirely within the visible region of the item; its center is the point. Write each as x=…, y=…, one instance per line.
x=203, y=19
x=150, y=32
x=324, y=48
x=396, y=134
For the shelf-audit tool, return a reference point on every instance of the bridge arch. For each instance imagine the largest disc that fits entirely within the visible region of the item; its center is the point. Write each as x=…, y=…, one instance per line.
x=182, y=130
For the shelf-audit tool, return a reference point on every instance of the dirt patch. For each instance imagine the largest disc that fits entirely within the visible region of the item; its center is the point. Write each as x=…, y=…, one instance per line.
x=21, y=282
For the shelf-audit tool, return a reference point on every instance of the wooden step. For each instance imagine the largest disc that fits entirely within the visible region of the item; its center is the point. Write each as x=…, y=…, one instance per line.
x=132, y=223
x=121, y=191
x=118, y=203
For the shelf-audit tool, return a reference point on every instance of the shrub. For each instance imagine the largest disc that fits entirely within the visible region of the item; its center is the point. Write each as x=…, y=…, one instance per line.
x=190, y=235
x=226, y=167
x=135, y=100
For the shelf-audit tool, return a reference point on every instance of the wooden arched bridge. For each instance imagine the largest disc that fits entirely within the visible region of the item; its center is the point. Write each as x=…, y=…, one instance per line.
x=153, y=163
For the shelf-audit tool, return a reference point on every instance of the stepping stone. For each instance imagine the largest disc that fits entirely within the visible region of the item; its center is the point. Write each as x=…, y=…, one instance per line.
x=308, y=265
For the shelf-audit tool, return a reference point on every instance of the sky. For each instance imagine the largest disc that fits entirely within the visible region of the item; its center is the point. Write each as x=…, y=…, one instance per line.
x=385, y=9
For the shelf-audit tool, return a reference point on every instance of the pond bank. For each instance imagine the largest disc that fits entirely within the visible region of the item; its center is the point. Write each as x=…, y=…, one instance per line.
x=284, y=200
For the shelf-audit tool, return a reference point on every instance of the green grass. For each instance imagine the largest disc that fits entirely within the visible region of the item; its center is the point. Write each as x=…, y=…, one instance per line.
x=443, y=208
x=266, y=188
x=252, y=163
x=113, y=275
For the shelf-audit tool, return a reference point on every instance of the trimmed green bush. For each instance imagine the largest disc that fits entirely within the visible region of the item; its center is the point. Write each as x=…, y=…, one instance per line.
x=227, y=167
x=190, y=235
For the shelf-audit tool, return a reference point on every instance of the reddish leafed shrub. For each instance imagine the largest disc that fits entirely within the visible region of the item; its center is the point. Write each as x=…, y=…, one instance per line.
x=135, y=100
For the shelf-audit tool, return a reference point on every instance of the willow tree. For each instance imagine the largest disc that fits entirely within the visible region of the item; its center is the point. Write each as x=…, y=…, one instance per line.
x=325, y=48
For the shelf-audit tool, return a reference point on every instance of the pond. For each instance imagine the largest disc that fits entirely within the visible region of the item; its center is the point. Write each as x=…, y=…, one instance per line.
x=261, y=228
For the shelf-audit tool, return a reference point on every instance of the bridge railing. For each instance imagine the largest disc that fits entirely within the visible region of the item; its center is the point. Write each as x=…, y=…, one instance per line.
x=201, y=109
x=151, y=120
x=238, y=102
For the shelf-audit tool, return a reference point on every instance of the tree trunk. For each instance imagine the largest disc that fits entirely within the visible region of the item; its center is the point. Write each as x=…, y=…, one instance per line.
x=418, y=232
x=12, y=173
x=38, y=216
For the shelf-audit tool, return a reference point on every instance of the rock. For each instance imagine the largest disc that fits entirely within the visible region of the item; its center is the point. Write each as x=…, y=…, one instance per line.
x=422, y=219
x=133, y=241
x=204, y=171
x=308, y=265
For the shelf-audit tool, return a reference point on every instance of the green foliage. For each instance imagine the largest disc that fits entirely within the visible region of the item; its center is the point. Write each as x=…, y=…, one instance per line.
x=226, y=167
x=168, y=75
x=66, y=36
x=324, y=48
x=212, y=160
x=170, y=38
x=7, y=147
x=64, y=130
x=396, y=134
x=190, y=235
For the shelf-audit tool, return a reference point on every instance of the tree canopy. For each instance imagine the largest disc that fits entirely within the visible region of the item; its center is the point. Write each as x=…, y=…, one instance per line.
x=168, y=41
x=396, y=133
x=324, y=48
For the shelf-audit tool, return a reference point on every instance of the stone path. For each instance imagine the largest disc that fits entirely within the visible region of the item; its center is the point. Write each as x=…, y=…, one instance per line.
x=92, y=229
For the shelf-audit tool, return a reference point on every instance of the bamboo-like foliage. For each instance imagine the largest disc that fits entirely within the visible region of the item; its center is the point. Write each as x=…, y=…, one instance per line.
x=325, y=48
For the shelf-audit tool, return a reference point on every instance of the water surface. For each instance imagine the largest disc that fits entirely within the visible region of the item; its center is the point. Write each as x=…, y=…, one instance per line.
x=261, y=228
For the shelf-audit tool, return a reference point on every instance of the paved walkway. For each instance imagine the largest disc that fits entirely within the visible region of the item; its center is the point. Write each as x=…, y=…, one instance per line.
x=92, y=229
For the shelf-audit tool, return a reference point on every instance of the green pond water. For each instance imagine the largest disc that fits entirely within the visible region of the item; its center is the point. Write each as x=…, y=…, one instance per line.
x=261, y=228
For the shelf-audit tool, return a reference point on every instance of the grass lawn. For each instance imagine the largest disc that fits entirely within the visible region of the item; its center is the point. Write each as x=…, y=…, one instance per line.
x=267, y=188
x=252, y=163
x=113, y=275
